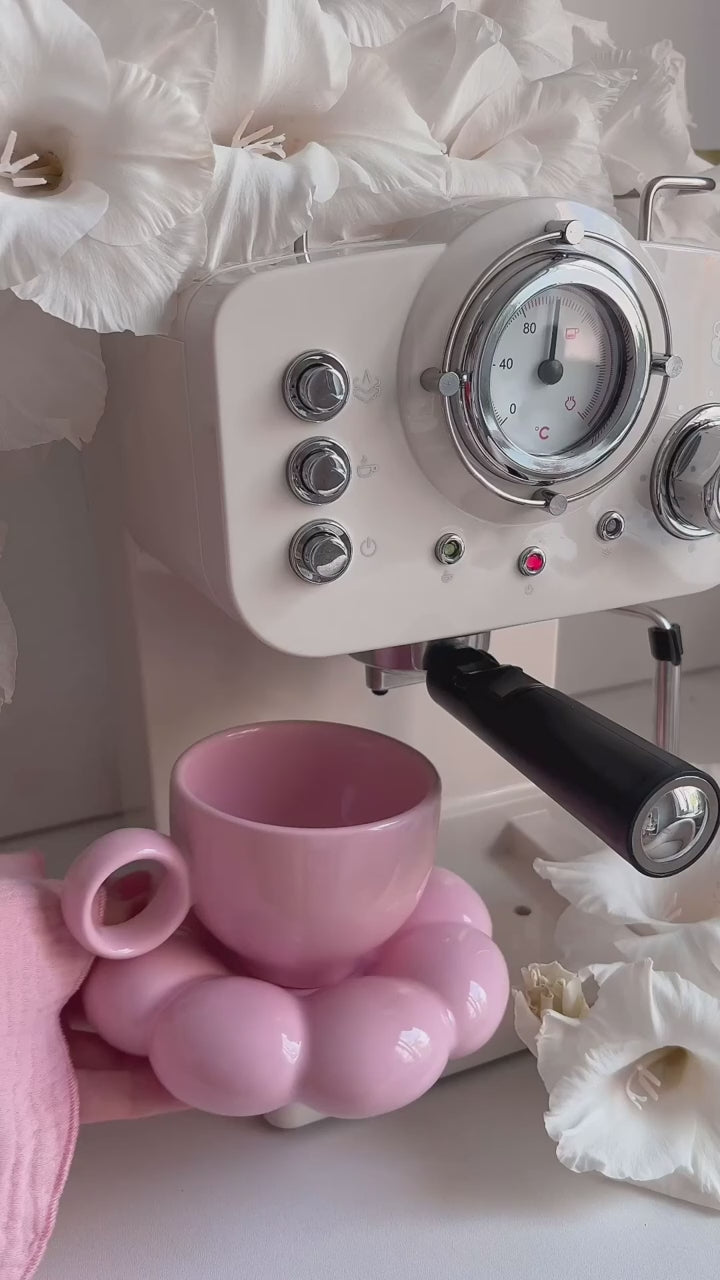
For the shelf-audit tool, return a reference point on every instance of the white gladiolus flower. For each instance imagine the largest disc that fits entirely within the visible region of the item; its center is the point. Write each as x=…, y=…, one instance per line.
x=538, y=33
x=617, y=914
x=506, y=135
x=280, y=61
x=105, y=157
x=634, y=1085
x=546, y=987
x=647, y=132
x=309, y=131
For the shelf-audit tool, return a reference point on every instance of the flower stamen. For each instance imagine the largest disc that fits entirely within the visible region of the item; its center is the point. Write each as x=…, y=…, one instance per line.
x=32, y=170
x=12, y=169
x=262, y=141
x=646, y=1079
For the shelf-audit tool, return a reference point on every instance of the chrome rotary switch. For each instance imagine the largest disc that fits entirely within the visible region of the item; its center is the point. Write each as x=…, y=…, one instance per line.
x=686, y=476
x=320, y=552
x=316, y=386
x=318, y=471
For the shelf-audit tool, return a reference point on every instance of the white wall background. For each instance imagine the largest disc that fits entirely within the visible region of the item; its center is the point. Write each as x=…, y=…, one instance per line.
x=57, y=762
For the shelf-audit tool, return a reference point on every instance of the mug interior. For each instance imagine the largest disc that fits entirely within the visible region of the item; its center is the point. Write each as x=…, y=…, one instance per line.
x=306, y=774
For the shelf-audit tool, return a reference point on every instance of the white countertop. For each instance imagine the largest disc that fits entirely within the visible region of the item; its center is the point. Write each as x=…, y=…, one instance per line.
x=464, y=1185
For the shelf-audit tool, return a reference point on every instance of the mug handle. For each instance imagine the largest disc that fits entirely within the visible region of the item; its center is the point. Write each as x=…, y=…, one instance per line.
x=165, y=911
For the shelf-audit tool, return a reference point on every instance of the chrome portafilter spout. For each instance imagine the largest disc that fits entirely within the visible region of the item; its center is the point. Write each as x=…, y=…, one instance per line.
x=657, y=811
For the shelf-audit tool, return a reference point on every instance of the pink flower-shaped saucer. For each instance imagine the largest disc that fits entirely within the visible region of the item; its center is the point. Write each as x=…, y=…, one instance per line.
x=234, y=1045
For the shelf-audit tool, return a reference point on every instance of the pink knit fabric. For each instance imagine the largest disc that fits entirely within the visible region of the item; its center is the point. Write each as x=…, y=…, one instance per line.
x=40, y=968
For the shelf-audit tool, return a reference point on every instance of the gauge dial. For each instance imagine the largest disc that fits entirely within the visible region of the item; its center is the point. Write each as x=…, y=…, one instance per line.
x=553, y=362
x=555, y=370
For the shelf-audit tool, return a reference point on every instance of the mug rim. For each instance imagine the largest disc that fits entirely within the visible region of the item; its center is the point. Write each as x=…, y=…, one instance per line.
x=429, y=799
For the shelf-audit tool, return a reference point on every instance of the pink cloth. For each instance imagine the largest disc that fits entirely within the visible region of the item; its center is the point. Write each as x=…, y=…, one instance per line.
x=52, y=1075
x=41, y=966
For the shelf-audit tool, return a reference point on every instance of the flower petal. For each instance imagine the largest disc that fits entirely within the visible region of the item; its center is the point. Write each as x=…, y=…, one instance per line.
x=605, y=885
x=156, y=160
x=646, y=133
x=53, y=74
x=507, y=101
x=582, y=939
x=601, y=1113
x=567, y=135
x=390, y=166
x=447, y=66
x=590, y=35
x=374, y=22
x=505, y=171
x=107, y=288
x=276, y=58
x=37, y=230
x=174, y=39
x=561, y=117
x=259, y=205
x=527, y=1023
x=546, y=987
x=692, y=950
x=538, y=33
x=52, y=378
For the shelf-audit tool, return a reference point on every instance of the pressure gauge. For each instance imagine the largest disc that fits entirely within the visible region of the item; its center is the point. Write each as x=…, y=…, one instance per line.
x=553, y=366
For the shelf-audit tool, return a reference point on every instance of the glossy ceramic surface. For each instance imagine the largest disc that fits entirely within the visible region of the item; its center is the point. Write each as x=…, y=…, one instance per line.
x=234, y=1045
x=309, y=843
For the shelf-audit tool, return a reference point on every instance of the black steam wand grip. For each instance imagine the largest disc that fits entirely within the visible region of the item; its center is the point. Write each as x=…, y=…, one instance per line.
x=599, y=772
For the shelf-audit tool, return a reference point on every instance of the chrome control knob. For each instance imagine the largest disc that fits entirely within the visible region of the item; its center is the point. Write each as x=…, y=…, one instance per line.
x=316, y=386
x=320, y=552
x=686, y=475
x=318, y=471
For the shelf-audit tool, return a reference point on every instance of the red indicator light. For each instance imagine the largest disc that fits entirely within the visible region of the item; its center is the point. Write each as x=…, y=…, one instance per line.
x=531, y=561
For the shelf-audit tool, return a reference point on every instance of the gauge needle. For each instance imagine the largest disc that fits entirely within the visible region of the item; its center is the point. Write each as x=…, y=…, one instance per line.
x=550, y=370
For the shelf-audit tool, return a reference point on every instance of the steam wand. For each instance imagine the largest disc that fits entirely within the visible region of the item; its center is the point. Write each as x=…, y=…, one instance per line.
x=654, y=809
x=666, y=647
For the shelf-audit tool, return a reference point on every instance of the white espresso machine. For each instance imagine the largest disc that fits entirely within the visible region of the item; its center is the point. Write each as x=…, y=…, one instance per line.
x=345, y=468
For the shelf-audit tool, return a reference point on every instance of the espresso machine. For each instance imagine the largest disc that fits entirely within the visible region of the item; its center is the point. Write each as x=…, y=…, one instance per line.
x=363, y=482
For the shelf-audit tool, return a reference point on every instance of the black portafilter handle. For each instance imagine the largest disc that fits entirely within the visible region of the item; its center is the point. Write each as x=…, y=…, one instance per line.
x=655, y=810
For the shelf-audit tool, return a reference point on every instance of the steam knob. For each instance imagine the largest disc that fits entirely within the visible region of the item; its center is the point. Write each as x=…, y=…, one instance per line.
x=694, y=479
x=316, y=386
x=318, y=471
x=320, y=552
x=686, y=476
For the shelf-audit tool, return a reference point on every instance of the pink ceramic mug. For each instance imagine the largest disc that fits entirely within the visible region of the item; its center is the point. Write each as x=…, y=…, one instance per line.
x=308, y=845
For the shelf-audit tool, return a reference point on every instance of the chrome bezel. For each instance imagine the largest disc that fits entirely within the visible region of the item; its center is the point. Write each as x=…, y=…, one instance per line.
x=291, y=380
x=300, y=540
x=684, y=857
x=476, y=333
x=660, y=480
x=296, y=461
